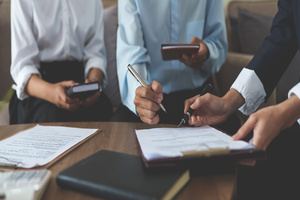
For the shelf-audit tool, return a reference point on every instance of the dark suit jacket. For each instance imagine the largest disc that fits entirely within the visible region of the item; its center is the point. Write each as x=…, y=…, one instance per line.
x=279, y=48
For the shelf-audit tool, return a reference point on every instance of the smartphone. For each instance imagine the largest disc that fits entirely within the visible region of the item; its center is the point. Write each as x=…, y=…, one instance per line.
x=84, y=90
x=176, y=51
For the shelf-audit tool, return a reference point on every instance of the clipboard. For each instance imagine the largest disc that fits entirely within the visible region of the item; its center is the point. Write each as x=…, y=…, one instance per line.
x=201, y=161
x=158, y=148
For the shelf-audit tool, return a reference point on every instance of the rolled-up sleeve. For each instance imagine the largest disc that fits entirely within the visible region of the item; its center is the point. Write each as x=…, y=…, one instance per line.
x=130, y=50
x=215, y=36
x=24, y=49
x=252, y=90
x=295, y=91
x=94, y=50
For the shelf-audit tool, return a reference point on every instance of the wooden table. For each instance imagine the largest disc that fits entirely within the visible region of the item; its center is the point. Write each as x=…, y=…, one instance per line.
x=120, y=137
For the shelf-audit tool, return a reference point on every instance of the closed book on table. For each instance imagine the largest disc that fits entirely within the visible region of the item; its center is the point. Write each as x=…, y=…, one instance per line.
x=114, y=175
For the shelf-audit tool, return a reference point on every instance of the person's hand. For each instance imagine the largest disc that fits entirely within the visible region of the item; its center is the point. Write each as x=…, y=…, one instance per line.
x=59, y=97
x=268, y=122
x=210, y=109
x=147, y=100
x=196, y=60
x=265, y=124
x=94, y=75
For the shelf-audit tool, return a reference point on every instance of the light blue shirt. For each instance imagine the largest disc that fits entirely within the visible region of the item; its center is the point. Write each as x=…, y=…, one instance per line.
x=145, y=24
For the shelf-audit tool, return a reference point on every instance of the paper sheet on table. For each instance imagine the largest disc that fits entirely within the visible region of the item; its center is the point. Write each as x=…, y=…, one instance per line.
x=159, y=143
x=40, y=145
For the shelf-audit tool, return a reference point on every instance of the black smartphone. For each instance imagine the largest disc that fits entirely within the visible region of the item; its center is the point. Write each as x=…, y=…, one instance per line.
x=84, y=90
x=176, y=51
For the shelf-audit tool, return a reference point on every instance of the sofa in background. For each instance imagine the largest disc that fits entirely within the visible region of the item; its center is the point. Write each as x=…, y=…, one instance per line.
x=110, y=35
x=248, y=22
x=5, y=80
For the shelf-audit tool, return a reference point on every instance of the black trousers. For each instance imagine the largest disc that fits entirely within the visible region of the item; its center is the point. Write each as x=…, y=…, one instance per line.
x=278, y=176
x=34, y=110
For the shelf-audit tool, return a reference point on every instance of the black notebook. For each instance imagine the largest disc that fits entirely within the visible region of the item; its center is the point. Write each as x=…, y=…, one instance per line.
x=115, y=175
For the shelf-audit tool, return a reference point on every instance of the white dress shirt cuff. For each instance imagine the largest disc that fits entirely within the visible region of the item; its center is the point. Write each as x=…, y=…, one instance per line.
x=129, y=102
x=251, y=88
x=99, y=64
x=134, y=84
x=22, y=80
x=207, y=65
x=295, y=91
x=216, y=57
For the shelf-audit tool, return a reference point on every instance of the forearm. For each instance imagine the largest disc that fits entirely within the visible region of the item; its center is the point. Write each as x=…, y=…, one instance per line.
x=289, y=110
x=37, y=87
x=233, y=100
x=278, y=49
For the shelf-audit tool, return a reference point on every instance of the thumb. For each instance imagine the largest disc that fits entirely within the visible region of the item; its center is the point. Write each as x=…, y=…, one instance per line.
x=157, y=88
x=198, y=103
x=189, y=102
x=68, y=83
x=245, y=129
x=195, y=40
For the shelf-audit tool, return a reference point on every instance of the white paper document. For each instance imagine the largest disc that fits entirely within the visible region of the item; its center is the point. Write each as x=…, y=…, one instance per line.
x=40, y=145
x=159, y=143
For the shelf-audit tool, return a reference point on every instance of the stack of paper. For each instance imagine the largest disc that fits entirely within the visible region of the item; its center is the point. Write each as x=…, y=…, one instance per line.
x=160, y=143
x=40, y=145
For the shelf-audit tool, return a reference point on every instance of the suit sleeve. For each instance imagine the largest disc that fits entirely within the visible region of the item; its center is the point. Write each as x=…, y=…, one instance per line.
x=256, y=82
x=278, y=49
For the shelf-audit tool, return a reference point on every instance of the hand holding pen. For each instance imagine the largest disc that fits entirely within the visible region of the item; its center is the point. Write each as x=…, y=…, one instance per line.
x=209, y=109
x=188, y=110
x=148, y=99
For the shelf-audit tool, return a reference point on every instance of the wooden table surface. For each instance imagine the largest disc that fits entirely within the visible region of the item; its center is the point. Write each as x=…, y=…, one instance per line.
x=121, y=137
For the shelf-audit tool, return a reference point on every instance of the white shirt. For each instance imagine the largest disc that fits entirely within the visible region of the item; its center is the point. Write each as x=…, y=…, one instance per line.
x=251, y=88
x=55, y=30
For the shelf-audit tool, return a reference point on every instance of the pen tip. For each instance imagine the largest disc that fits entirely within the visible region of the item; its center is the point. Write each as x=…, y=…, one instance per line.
x=180, y=124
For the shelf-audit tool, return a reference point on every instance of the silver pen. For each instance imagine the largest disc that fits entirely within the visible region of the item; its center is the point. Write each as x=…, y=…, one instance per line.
x=142, y=82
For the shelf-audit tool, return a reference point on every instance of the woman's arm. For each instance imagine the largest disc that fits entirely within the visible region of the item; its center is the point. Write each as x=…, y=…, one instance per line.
x=25, y=60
